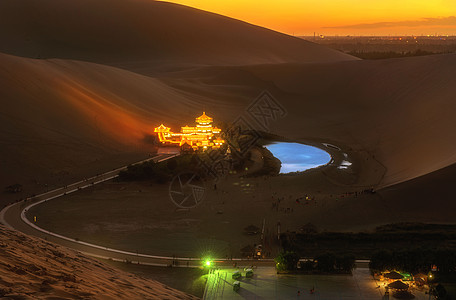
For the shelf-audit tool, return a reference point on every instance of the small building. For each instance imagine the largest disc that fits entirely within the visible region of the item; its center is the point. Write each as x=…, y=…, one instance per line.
x=200, y=137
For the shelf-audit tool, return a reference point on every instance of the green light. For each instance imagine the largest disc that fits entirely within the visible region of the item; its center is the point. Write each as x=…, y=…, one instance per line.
x=207, y=263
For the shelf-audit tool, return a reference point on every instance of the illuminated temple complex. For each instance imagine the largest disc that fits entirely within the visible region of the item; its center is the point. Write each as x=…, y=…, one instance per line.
x=200, y=137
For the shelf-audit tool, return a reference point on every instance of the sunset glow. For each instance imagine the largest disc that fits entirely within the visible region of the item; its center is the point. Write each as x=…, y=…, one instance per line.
x=344, y=17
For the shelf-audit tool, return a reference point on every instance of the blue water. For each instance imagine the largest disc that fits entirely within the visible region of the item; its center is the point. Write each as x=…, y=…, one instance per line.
x=298, y=157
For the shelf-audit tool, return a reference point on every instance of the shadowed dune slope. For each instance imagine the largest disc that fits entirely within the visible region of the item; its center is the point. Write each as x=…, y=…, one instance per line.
x=429, y=197
x=145, y=33
x=32, y=268
x=58, y=114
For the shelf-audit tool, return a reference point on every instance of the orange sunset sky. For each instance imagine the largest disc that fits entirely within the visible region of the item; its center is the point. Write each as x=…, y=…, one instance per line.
x=342, y=17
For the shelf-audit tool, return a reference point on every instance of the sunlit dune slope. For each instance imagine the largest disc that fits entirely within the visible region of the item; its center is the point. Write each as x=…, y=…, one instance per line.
x=401, y=111
x=32, y=268
x=60, y=115
x=144, y=33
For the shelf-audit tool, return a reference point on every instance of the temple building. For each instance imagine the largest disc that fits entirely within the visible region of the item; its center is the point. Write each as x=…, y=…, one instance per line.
x=200, y=137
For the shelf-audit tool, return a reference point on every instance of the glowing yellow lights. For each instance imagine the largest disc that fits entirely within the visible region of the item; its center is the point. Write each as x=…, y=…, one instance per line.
x=202, y=136
x=303, y=17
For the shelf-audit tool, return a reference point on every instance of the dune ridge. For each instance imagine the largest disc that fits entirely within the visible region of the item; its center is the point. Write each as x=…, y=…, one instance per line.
x=145, y=33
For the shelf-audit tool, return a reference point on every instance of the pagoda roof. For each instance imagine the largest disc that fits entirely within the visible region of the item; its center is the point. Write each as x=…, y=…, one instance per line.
x=162, y=128
x=398, y=285
x=393, y=275
x=204, y=118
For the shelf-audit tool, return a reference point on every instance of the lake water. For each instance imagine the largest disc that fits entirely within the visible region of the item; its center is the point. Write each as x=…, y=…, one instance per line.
x=298, y=157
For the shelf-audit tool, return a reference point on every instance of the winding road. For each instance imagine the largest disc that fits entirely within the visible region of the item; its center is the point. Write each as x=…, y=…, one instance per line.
x=13, y=216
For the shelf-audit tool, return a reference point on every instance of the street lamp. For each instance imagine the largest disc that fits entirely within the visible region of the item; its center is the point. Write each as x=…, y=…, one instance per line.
x=207, y=263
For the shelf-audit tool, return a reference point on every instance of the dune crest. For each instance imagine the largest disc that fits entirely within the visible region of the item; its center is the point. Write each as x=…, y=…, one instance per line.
x=140, y=33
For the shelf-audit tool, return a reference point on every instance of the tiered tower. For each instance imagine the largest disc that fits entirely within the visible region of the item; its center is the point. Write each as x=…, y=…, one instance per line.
x=200, y=137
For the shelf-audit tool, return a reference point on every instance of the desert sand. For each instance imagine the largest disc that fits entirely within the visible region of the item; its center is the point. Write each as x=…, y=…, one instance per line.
x=32, y=268
x=64, y=119
x=83, y=84
x=397, y=110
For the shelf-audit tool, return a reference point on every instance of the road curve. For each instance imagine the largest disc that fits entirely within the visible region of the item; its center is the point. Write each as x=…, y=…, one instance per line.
x=13, y=217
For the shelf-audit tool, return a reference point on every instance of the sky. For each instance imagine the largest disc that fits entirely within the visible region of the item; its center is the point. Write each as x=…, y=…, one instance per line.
x=340, y=17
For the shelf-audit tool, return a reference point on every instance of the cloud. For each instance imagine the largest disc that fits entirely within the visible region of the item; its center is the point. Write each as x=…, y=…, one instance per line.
x=424, y=22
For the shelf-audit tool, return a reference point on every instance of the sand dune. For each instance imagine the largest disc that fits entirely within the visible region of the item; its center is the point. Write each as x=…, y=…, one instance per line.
x=400, y=110
x=62, y=116
x=145, y=33
x=397, y=110
x=58, y=116
x=32, y=268
x=115, y=69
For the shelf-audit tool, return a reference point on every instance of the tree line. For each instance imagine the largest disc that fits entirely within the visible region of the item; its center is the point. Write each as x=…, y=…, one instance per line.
x=327, y=262
x=390, y=54
x=414, y=260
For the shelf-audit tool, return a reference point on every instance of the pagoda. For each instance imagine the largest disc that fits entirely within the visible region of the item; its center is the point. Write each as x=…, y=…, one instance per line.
x=200, y=137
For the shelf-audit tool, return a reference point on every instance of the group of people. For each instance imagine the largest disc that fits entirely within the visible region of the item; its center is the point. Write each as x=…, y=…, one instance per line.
x=311, y=291
x=306, y=199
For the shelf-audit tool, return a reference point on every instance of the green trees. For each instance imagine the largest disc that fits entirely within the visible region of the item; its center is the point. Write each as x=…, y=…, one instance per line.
x=286, y=261
x=345, y=262
x=326, y=262
x=440, y=292
x=159, y=172
x=14, y=188
x=330, y=262
x=145, y=171
x=381, y=261
x=323, y=263
x=389, y=54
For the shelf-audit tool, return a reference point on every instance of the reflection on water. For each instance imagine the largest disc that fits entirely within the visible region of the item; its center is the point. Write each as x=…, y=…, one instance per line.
x=298, y=157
